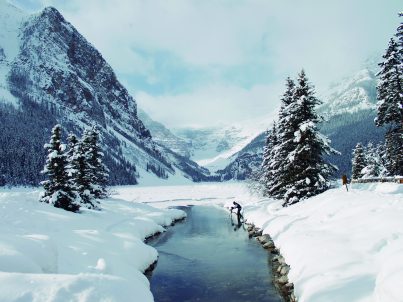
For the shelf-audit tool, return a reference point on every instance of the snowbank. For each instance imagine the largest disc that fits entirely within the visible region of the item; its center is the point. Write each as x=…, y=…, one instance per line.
x=48, y=254
x=341, y=246
x=182, y=195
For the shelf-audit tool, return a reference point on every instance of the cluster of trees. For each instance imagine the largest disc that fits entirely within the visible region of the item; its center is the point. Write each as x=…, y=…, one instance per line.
x=369, y=161
x=388, y=160
x=76, y=175
x=382, y=160
x=343, y=131
x=293, y=165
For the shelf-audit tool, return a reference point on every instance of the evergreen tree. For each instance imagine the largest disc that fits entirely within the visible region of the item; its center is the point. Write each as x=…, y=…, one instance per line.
x=276, y=183
x=100, y=172
x=295, y=168
x=380, y=151
x=390, y=103
x=305, y=171
x=59, y=190
x=359, y=162
x=373, y=162
x=399, y=36
x=393, y=153
x=72, y=165
x=390, y=92
x=85, y=171
x=268, y=163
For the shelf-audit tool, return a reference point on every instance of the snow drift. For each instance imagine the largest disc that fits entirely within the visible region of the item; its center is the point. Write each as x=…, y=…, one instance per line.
x=48, y=254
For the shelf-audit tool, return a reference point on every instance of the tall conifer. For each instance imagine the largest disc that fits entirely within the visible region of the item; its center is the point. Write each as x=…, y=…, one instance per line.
x=277, y=183
x=100, y=172
x=390, y=92
x=59, y=190
x=306, y=171
x=359, y=162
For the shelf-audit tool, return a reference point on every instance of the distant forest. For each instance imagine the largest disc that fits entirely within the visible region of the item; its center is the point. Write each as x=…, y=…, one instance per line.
x=345, y=130
x=23, y=133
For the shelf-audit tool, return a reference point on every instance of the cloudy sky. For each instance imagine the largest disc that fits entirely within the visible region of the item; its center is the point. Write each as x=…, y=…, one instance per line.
x=205, y=63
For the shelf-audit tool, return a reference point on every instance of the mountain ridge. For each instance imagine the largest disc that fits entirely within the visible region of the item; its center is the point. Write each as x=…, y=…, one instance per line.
x=58, y=71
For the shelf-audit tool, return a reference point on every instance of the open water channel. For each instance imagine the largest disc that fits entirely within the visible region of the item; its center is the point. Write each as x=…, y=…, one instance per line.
x=209, y=257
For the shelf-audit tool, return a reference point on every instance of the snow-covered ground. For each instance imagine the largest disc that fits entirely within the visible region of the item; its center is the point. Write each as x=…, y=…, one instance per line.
x=342, y=246
x=48, y=254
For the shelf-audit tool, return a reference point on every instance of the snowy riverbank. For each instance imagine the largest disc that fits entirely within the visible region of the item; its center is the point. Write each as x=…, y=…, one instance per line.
x=341, y=246
x=48, y=254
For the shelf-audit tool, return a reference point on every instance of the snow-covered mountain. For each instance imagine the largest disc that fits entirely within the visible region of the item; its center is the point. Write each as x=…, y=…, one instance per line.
x=50, y=73
x=351, y=94
x=349, y=110
x=215, y=146
x=164, y=137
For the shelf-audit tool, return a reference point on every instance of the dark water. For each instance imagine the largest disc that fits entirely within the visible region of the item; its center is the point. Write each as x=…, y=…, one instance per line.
x=209, y=258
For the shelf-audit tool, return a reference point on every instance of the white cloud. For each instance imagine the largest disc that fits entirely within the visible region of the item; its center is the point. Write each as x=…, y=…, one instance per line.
x=328, y=38
x=213, y=105
x=232, y=32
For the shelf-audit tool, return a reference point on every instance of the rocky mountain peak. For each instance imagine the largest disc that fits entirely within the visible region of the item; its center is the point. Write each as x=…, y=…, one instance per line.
x=58, y=73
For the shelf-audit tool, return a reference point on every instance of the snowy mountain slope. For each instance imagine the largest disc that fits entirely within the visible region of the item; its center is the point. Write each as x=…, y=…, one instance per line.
x=351, y=94
x=349, y=111
x=57, y=71
x=164, y=137
x=214, y=147
x=11, y=21
x=246, y=161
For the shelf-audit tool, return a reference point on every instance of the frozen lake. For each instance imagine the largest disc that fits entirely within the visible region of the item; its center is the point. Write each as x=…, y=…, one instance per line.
x=210, y=258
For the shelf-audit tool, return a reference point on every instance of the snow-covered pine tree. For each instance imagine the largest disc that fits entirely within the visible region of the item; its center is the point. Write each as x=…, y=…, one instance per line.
x=85, y=173
x=276, y=186
x=380, y=151
x=390, y=92
x=399, y=36
x=373, y=162
x=305, y=171
x=100, y=172
x=390, y=103
x=359, y=162
x=394, y=153
x=72, y=165
x=59, y=190
x=267, y=164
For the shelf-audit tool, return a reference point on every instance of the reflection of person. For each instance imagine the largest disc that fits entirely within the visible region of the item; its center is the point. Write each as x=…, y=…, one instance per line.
x=239, y=208
x=238, y=225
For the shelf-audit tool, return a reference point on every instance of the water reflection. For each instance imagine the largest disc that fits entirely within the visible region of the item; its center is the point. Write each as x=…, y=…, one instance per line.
x=210, y=258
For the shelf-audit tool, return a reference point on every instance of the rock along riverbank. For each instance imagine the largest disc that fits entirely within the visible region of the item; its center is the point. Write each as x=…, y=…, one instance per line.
x=280, y=268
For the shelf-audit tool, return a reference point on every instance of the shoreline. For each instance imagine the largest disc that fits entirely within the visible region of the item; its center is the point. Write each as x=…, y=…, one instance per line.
x=280, y=268
x=148, y=271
